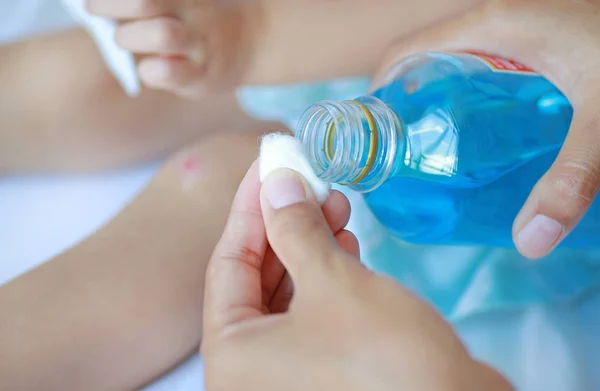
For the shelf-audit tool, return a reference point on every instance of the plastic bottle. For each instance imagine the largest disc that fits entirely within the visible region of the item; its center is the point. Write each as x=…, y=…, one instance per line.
x=449, y=149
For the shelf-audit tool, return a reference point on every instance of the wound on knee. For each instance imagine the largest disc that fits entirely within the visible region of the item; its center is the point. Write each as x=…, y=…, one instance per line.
x=191, y=169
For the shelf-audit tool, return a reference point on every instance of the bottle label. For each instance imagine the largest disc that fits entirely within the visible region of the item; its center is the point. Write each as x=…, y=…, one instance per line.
x=498, y=64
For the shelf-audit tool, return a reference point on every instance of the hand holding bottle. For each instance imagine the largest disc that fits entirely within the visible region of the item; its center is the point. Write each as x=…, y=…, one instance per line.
x=338, y=326
x=560, y=40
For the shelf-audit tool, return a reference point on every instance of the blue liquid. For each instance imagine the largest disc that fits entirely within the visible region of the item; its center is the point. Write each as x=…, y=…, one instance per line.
x=478, y=140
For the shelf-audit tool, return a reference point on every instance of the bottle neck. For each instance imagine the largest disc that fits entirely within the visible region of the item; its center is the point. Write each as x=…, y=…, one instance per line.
x=352, y=143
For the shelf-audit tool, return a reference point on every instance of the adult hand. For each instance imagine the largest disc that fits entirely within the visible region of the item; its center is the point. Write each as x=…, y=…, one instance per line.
x=338, y=326
x=561, y=40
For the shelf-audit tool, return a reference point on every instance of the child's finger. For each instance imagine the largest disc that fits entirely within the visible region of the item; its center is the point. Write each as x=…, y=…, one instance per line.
x=170, y=73
x=132, y=9
x=164, y=35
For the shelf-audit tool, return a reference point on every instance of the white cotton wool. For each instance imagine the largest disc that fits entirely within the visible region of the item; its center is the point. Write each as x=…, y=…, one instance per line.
x=279, y=150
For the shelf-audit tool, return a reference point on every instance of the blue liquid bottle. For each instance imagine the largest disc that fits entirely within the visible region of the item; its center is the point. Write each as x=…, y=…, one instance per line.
x=447, y=152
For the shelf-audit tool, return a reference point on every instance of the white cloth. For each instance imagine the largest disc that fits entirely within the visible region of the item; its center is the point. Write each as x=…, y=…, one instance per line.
x=279, y=150
x=120, y=61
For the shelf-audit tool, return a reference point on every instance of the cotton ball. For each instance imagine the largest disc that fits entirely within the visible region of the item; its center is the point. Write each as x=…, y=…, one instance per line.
x=279, y=150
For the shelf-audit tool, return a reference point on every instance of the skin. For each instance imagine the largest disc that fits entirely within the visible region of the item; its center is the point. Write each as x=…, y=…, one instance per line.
x=216, y=45
x=129, y=296
x=569, y=59
x=130, y=345
x=271, y=34
x=124, y=306
x=83, y=121
x=278, y=235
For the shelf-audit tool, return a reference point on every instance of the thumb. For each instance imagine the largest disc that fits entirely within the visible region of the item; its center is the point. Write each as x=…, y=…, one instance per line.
x=296, y=227
x=563, y=195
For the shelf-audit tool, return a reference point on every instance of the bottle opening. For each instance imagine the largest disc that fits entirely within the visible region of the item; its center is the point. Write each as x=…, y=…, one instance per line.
x=351, y=143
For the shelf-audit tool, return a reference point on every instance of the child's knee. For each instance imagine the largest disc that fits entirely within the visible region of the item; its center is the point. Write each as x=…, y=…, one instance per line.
x=217, y=164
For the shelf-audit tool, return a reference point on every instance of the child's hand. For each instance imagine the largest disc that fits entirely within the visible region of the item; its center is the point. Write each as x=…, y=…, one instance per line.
x=561, y=40
x=189, y=47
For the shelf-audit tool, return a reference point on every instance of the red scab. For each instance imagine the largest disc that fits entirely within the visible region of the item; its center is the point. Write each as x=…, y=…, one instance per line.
x=190, y=164
x=191, y=168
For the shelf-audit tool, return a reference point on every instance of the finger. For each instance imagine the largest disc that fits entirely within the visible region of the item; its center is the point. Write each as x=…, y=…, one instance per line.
x=295, y=224
x=233, y=280
x=348, y=242
x=132, y=9
x=284, y=293
x=282, y=296
x=162, y=35
x=337, y=213
x=564, y=194
x=273, y=272
x=483, y=373
x=175, y=74
x=516, y=30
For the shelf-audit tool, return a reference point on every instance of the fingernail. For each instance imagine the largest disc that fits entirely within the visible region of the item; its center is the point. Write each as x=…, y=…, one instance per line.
x=284, y=188
x=539, y=236
x=153, y=71
x=197, y=55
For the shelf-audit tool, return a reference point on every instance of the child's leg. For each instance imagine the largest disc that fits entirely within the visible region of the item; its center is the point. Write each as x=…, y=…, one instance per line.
x=62, y=110
x=125, y=305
